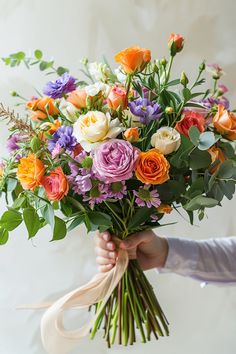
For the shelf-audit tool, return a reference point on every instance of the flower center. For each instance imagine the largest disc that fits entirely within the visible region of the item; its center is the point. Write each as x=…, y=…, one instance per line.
x=144, y=194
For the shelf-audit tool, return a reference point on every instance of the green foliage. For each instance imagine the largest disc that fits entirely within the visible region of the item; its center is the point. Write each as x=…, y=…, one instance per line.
x=32, y=221
x=10, y=219
x=59, y=231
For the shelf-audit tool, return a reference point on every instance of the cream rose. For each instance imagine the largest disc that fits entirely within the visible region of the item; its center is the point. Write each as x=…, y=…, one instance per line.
x=94, y=127
x=94, y=89
x=166, y=140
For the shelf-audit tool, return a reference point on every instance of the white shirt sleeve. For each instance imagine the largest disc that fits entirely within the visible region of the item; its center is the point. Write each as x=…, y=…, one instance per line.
x=210, y=261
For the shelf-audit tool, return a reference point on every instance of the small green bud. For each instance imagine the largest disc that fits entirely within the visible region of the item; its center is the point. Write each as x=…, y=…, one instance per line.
x=156, y=69
x=14, y=94
x=183, y=79
x=84, y=61
x=169, y=110
x=163, y=62
x=202, y=66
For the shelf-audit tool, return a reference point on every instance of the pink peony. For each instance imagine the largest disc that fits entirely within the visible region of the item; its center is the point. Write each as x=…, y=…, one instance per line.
x=114, y=160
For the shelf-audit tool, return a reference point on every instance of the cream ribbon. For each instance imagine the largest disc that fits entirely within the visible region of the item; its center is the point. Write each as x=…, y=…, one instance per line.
x=56, y=339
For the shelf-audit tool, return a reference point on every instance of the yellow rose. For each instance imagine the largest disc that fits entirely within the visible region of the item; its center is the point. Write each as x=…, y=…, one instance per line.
x=94, y=127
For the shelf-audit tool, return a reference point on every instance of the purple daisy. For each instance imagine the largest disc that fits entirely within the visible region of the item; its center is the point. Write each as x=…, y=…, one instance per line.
x=97, y=194
x=117, y=190
x=145, y=110
x=58, y=88
x=145, y=197
x=63, y=138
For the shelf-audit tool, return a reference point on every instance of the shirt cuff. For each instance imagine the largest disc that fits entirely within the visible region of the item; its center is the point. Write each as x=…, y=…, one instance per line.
x=182, y=258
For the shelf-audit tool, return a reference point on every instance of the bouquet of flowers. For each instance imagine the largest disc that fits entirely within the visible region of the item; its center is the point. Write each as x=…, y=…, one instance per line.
x=117, y=153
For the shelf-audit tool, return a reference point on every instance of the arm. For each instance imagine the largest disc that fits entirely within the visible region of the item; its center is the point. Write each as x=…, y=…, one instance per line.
x=211, y=260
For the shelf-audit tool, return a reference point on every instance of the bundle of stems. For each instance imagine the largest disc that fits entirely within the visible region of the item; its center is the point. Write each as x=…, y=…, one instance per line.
x=132, y=307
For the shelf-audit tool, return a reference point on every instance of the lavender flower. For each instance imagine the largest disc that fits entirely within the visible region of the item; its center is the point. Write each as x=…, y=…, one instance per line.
x=12, y=143
x=145, y=197
x=58, y=88
x=62, y=138
x=117, y=190
x=213, y=101
x=145, y=110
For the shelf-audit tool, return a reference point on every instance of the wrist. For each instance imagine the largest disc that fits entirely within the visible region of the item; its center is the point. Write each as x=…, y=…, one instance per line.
x=163, y=250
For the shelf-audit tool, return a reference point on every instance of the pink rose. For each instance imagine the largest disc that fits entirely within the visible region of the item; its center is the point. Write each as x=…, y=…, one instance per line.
x=114, y=160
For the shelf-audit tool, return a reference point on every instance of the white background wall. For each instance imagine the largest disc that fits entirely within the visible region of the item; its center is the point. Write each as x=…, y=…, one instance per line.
x=202, y=320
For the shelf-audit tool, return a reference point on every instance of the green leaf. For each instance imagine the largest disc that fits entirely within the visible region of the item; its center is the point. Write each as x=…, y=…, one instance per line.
x=199, y=159
x=18, y=56
x=59, y=231
x=75, y=222
x=180, y=158
x=200, y=202
x=197, y=187
x=206, y=140
x=186, y=94
x=35, y=144
x=194, y=134
x=100, y=219
x=32, y=221
x=141, y=215
x=38, y=54
x=11, y=219
x=4, y=235
x=65, y=208
x=226, y=170
x=18, y=202
x=48, y=214
x=11, y=184
x=61, y=70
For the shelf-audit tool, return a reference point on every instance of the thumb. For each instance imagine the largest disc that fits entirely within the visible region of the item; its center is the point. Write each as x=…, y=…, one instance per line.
x=133, y=241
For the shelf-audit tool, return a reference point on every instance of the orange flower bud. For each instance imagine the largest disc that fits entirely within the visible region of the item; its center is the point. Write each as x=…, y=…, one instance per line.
x=164, y=209
x=42, y=107
x=78, y=98
x=131, y=134
x=175, y=43
x=117, y=98
x=216, y=154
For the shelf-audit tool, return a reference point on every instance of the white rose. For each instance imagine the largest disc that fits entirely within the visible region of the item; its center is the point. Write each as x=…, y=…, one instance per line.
x=166, y=140
x=94, y=89
x=68, y=110
x=94, y=127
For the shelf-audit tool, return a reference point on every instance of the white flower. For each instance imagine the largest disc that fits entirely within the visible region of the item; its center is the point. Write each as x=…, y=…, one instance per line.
x=166, y=140
x=98, y=71
x=94, y=89
x=68, y=110
x=120, y=75
x=94, y=127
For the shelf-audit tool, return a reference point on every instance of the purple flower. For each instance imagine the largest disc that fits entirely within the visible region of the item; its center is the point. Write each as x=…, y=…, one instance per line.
x=97, y=194
x=58, y=88
x=63, y=139
x=117, y=190
x=114, y=160
x=145, y=110
x=213, y=101
x=12, y=143
x=145, y=197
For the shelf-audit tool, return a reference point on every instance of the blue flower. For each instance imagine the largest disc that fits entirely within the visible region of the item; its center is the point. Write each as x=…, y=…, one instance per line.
x=58, y=88
x=145, y=109
x=64, y=138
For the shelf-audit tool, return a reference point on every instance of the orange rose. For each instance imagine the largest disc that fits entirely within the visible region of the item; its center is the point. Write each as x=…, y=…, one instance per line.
x=164, y=209
x=131, y=134
x=188, y=120
x=133, y=59
x=175, y=43
x=30, y=172
x=42, y=107
x=78, y=98
x=152, y=167
x=56, y=184
x=225, y=123
x=216, y=154
x=117, y=98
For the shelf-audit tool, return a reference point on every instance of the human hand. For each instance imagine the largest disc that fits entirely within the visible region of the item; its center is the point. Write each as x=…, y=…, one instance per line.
x=149, y=249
